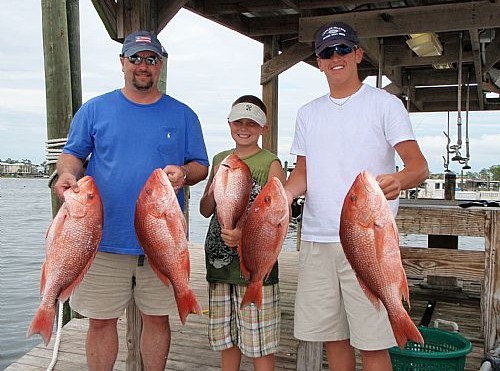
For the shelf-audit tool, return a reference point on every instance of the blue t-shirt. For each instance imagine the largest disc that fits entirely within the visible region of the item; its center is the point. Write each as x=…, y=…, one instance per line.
x=126, y=141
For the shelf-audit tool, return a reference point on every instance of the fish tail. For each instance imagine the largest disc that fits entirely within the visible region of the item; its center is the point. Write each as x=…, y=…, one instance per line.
x=404, y=329
x=43, y=323
x=186, y=304
x=253, y=294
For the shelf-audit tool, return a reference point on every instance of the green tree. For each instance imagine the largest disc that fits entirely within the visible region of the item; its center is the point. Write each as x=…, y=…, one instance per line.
x=495, y=171
x=471, y=175
x=484, y=174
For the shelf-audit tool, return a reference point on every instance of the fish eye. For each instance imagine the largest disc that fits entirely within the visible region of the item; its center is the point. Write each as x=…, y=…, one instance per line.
x=90, y=196
x=354, y=198
x=149, y=191
x=267, y=199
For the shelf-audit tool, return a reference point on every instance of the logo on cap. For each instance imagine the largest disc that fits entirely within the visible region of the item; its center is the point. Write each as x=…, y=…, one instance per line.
x=143, y=39
x=334, y=31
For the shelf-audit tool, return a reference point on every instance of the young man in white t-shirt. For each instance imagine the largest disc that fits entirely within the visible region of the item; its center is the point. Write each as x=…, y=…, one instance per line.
x=355, y=127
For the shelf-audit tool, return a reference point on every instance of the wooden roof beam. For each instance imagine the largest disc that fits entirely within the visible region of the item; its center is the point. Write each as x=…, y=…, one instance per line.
x=214, y=7
x=476, y=54
x=434, y=77
x=124, y=16
x=288, y=58
x=167, y=10
x=406, y=57
x=444, y=94
x=106, y=9
x=492, y=54
x=445, y=106
x=407, y=20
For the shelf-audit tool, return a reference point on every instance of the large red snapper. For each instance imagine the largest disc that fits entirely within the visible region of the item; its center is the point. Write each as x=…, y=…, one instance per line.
x=161, y=230
x=370, y=240
x=71, y=244
x=262, y=238
x=232, y=186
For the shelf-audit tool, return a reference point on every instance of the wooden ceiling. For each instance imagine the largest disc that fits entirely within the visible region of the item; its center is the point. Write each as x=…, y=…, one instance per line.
x=469, y=32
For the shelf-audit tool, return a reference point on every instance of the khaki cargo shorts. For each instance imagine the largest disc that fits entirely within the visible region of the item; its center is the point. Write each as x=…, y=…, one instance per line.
x=113, y=279
x=330, y=305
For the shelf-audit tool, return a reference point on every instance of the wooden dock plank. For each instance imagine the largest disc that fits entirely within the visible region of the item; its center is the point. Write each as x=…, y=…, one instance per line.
x=189, y=349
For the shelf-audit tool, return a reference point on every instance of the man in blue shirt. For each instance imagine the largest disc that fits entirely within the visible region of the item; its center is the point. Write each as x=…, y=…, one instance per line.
x=126, y=134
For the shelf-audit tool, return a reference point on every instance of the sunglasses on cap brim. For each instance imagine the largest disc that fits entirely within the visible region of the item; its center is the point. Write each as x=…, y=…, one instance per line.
x=341, y=50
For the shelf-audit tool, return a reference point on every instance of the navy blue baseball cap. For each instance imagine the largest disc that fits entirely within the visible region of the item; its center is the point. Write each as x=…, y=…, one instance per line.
x=335, y=33
x=139, y=41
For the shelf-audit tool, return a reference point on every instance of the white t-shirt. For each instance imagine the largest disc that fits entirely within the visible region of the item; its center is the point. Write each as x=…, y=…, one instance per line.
x=340, y=143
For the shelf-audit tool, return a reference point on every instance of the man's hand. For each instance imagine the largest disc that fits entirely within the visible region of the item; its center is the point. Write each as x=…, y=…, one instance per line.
x=64, y=182
x=177, y=176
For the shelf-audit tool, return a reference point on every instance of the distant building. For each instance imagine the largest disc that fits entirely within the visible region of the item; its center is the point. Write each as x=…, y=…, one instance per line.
x=18, y=169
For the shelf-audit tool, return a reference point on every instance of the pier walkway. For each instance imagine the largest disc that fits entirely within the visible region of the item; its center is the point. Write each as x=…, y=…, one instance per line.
x=189, y=349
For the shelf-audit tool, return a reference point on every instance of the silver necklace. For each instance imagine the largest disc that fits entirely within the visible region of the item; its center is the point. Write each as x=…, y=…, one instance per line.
x=340, y=105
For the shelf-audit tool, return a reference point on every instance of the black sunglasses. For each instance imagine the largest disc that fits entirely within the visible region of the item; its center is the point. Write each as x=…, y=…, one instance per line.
x=341, y=50
x=150, y=61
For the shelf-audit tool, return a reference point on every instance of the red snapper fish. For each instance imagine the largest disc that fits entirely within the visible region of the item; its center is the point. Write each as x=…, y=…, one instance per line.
x=370, y=240
x=232, y=186
x=71, y=244
x=262, y=238
x=161, y=231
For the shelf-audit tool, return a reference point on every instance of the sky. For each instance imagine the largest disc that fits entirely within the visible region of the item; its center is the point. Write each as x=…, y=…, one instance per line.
x=209, y=66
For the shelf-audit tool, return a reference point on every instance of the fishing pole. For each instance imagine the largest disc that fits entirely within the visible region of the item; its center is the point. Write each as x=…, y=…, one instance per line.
x=467, y=107
x=447, y=135
x=457, y=146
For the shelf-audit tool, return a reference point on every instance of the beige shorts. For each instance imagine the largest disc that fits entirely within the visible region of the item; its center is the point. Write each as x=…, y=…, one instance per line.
x=111, y=282
x=330, y=304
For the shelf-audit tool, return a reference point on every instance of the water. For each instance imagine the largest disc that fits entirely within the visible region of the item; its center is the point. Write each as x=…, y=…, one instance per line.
x=25, y=214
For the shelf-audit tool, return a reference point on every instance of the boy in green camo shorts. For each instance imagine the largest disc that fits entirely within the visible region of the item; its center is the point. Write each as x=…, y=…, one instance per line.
x=233, y=331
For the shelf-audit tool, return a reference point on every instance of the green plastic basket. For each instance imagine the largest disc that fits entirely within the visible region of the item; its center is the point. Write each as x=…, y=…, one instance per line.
x=442, y=351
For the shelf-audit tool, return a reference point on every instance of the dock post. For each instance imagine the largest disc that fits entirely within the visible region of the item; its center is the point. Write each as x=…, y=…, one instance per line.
x=490, y=306
x=309, y=356
x=450, y=182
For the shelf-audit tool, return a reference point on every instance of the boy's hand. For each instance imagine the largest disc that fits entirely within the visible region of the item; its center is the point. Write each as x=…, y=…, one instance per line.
x=231, y=237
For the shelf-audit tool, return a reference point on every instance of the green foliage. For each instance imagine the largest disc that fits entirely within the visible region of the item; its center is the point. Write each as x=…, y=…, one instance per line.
x=495, y=171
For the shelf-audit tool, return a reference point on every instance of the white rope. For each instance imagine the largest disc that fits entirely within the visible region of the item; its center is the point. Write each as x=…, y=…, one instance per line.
x=53, y=149
x=55, y=350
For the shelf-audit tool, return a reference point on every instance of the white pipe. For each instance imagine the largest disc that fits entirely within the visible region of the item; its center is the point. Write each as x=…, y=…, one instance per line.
x=55, y=350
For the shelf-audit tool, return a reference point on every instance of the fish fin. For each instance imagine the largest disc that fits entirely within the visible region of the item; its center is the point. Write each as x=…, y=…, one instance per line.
x=43, y=323
x=253, y=294
x=404, y=329
x=403, y=287
x=184, y=224
x=245, y=272
x=379, y=232
x=369, y=293
x=43, y=278
x=241, y=221
x=186, y=264
x=58, y=222
x=160, y=275
x=186, y=304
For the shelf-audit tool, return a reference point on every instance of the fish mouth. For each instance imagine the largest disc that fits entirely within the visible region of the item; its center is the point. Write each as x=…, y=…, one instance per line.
x=162, y=177
x=369, y=182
